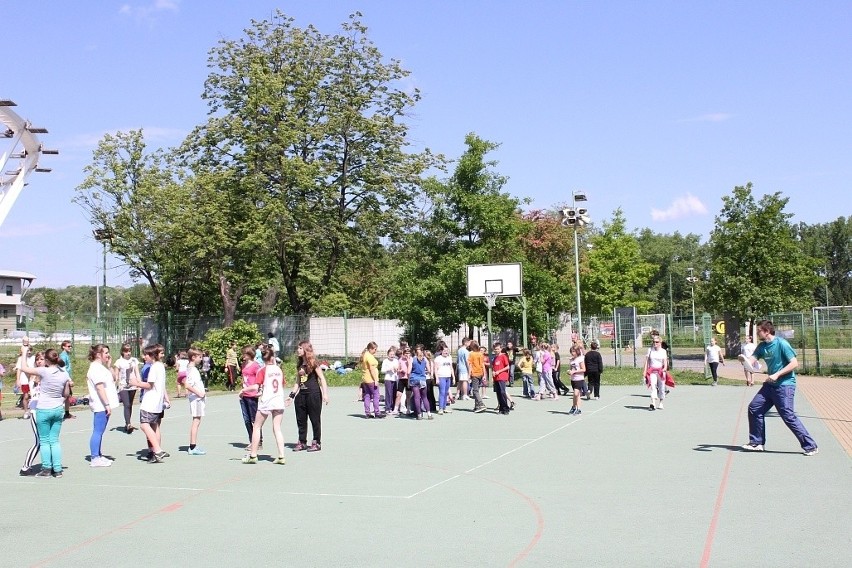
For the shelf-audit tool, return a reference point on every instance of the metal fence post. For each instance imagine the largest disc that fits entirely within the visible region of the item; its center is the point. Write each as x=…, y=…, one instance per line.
x=816, y=334
x=345, y=336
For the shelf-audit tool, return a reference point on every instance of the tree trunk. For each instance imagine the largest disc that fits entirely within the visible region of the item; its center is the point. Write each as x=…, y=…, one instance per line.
x=230, y=296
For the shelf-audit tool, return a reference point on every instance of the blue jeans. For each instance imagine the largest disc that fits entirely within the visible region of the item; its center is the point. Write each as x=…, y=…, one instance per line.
x=49, y=422
x=248, y=406
x=443, y=391
x=782, y=399
x=99, y=424
x=529, y=387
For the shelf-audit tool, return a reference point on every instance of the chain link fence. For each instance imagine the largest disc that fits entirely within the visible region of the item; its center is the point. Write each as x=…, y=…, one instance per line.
x=822, y=337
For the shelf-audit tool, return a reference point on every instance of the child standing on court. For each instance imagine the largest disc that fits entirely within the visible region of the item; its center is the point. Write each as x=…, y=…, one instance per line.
x=197, y=396
x=390, y=366
x=526, y=365
x=578, y=377
x=153, y=403
x=272, y=401
x=182, y=366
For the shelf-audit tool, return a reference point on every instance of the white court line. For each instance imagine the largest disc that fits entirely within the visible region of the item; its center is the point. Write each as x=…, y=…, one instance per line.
x=522, y=446
x=527, y=442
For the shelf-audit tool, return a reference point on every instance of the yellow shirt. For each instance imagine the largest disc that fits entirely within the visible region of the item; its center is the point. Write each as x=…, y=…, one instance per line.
x=526, y=365
x=371, y=368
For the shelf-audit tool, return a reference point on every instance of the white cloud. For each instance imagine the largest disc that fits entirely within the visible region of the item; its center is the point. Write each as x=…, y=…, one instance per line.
x=147, y=11
x=710, y=117
x=684, y=206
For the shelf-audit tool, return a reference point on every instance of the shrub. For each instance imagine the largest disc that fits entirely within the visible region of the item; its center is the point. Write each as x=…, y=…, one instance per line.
x=217, y=341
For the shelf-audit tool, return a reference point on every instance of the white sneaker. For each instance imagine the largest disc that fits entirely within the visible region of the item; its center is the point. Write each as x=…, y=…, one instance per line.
x=752, y=447
x=100, y=461
x=660, y=406
x=448, y=410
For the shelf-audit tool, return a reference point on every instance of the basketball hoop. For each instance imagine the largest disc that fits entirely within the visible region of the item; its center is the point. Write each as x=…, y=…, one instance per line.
x=490, y=299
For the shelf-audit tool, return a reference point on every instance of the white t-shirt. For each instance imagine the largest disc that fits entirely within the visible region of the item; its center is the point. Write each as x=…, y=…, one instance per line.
x=23, y=378
x=98, y=374
x=193, y=379
x=657, y=358
x=125, y=371
x=443, y=367
x=714, y=353
x=576, y=364
x=182, y=365
x=273, y=342
x=748, y=349
x=272, y=397
x=389, y=369
x=153, y=400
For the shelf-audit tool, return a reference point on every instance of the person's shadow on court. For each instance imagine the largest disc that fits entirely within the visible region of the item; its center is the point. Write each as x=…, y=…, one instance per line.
x=732, y=448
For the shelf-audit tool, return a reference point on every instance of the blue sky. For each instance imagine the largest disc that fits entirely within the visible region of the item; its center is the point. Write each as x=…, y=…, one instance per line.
x=659, y=108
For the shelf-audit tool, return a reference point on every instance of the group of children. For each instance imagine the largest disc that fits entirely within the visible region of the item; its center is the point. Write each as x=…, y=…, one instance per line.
x=410, y=378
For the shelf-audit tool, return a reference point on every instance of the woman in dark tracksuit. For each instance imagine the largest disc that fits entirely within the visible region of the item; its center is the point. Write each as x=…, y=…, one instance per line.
x=309, y=393
x=594, y=368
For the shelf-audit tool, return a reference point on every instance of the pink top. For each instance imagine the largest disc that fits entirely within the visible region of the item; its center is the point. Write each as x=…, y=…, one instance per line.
x=404, y=366
x=546, y=361
x=250, y=377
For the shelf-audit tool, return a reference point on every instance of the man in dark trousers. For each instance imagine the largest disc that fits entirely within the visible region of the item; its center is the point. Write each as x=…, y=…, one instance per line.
x=594, y=368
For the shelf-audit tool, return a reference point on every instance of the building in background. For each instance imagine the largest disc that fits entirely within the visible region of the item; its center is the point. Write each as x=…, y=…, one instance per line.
x=14, y=312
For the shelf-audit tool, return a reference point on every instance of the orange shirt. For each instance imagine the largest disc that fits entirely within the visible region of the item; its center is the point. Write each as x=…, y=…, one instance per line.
x=477, y=364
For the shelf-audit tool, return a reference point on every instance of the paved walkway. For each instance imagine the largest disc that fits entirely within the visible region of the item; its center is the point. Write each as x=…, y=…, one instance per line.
x=831, y=397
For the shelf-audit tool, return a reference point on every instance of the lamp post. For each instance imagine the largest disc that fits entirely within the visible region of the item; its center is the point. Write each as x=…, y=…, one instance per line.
x=577, y=218
x=103, y=236
x=692, y=280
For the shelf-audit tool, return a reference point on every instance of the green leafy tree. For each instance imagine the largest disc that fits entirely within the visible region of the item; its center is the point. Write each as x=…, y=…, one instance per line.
x=756, y=266
x=135, y=197
x=671, y=256
x=313, y=128
x=615, y=274
x=830, y=244
x=217, y=341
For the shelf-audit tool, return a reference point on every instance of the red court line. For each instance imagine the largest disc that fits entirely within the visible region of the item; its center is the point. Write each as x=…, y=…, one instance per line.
x=720, y=495
x=170, y=508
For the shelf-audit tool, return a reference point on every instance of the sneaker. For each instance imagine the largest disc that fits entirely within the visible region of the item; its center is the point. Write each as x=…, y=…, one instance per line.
x=448, y=410
x=158, y=458
x=429, y=416
x=30, y=471
x=57, y=474
x=812, y=452
x=196, y=451
x=299, y=447
x=250, y=459
x=660, y=406
x=465, y=397
x=441, y=411
x=165, y=454
x=479, y=409
x=420, y=417
x=69, y=416
x=651, y=407
x=485, y=396
x=752, y=447
x=279, y=460
x=43, y=473
x=578, y=412
x=26, y=416
x=573, y=410
x=100, y=461
x=315, y=447
x=715, y=383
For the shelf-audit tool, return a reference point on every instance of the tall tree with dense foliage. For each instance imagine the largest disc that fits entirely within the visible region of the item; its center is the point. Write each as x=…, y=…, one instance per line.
x=615, y=274
x=830, y=244
x=469, y=219
x=756, y=266
x=136, y=197
x=313, y=128
x=672, y=256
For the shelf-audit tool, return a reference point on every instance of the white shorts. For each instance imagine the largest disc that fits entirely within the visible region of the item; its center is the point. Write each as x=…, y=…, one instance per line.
x=463, y=378
x=196, y=407
x=273, y=404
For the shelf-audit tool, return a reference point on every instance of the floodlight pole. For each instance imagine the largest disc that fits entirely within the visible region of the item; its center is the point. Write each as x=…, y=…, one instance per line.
x=577, y=286
x=691, y=279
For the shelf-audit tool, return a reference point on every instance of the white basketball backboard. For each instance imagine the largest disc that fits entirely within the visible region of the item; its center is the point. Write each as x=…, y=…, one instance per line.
x=499, y=279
